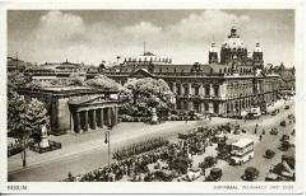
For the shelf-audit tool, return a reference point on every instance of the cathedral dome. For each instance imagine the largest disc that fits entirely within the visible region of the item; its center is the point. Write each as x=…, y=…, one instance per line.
x=233, y=40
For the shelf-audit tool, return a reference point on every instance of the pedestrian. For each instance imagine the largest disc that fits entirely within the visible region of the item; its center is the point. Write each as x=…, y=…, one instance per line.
x=263, y=132
x=260, y=137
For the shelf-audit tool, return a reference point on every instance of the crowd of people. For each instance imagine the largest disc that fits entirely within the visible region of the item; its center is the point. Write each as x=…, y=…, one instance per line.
x=156, y=160
x=161, y=160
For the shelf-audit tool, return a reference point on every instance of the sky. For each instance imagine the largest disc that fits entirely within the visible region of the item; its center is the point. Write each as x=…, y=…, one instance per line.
x=91, y=36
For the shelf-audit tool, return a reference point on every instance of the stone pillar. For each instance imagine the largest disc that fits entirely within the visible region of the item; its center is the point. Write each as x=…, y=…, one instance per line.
x=174, y=88
x=109, y=116
x=202, y=107
x=86, y=120
x=93, y=119
x=76, y=122
x=211, y=90
x=189, y=90
x=201, y=90
x=115, y=113
x=100, y=118
x=211, y=107
x=190, y=105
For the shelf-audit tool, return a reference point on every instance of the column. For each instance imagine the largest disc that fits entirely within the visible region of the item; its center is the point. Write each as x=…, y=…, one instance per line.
x=86, y=120
x=202, y=107
x=190, y=105
x=211, y=108
x=182, y=89
x=115, y=113
x=93, y=119
x=201, y=90
x=174, y=88
x=100, y=117
x=211, y=90
x=76, y=122
x=109, y=116
x=189, y=89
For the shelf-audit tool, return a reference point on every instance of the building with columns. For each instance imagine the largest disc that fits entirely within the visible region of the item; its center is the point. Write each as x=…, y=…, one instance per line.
x=77, y=109
x=230, y=83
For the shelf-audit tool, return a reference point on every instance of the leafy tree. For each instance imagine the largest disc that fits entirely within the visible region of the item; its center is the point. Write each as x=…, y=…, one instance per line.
x=25, y=117
x=149, y=93
x=105, y=83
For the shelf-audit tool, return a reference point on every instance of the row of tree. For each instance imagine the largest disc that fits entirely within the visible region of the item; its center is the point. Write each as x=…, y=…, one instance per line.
x=26, y=116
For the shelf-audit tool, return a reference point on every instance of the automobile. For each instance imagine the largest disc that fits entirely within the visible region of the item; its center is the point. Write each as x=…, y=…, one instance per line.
x=282, y=123
x=192, y=174
x=273, y=113
x=287, y=107
x=250, y=116
x=290, y=116
x=284, y=137
x=285, y=145
x=274, y=131
x=214, y=175
x=250, y=174
x=273, y=177
x=269, y=154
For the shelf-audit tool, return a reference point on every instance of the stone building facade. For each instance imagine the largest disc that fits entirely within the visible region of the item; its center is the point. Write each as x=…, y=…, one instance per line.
x=77, y=109
x=225, y=87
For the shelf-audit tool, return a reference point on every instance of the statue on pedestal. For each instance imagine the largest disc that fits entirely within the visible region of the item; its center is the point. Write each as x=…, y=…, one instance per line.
x=44, y=143
x=154, y=119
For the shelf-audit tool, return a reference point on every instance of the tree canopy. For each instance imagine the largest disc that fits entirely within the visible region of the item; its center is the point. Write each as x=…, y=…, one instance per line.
x=148, y=93
x=105, y=83
x=150, y=87
x=25, y=116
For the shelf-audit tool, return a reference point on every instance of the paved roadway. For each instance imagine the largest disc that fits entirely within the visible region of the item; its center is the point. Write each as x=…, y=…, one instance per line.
x=54, y=166
x=93, y=155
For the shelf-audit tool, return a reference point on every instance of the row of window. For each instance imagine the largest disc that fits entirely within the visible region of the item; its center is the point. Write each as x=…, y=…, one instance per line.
x=149, y=59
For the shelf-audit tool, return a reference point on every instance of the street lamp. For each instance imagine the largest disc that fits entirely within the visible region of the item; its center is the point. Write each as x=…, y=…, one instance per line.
x=112, y=122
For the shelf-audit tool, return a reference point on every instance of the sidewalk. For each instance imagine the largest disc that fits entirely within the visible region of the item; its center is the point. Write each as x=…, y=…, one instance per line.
x=123, y=135
x=73, y=144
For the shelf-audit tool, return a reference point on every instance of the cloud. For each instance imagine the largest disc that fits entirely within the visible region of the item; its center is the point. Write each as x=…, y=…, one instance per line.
x=59, y=35
x=58, y=26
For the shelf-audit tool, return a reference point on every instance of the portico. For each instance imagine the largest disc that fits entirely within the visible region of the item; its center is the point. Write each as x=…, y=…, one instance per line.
x=93, y=114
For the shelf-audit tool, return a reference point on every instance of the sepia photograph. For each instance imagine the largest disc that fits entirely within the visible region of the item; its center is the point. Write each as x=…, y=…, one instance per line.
x=151, y=95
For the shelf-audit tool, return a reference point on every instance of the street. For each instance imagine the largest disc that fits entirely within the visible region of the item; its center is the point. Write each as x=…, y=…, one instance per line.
x=84, y=153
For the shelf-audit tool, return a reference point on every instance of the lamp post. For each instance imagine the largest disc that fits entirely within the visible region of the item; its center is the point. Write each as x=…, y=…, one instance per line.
x=112, y=122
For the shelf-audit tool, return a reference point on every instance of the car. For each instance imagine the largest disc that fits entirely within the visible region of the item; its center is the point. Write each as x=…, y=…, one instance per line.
x=273, y=113
x=214, y=175
x=273, y=177
x=290, y=116
x=269, y=154
x=192, y=174
x=287, y=107
x=250, y=174
x=284, y=137
x=274, y=131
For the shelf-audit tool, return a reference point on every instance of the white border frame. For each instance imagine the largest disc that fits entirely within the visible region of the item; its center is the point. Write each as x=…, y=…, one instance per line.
x=160, y=188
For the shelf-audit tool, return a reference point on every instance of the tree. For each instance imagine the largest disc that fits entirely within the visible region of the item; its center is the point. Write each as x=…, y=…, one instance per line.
x=150, y=93
x=25, y=117
x=105, y=83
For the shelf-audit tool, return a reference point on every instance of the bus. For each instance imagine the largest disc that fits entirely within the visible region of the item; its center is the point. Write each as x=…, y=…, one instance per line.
x=242, y=151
